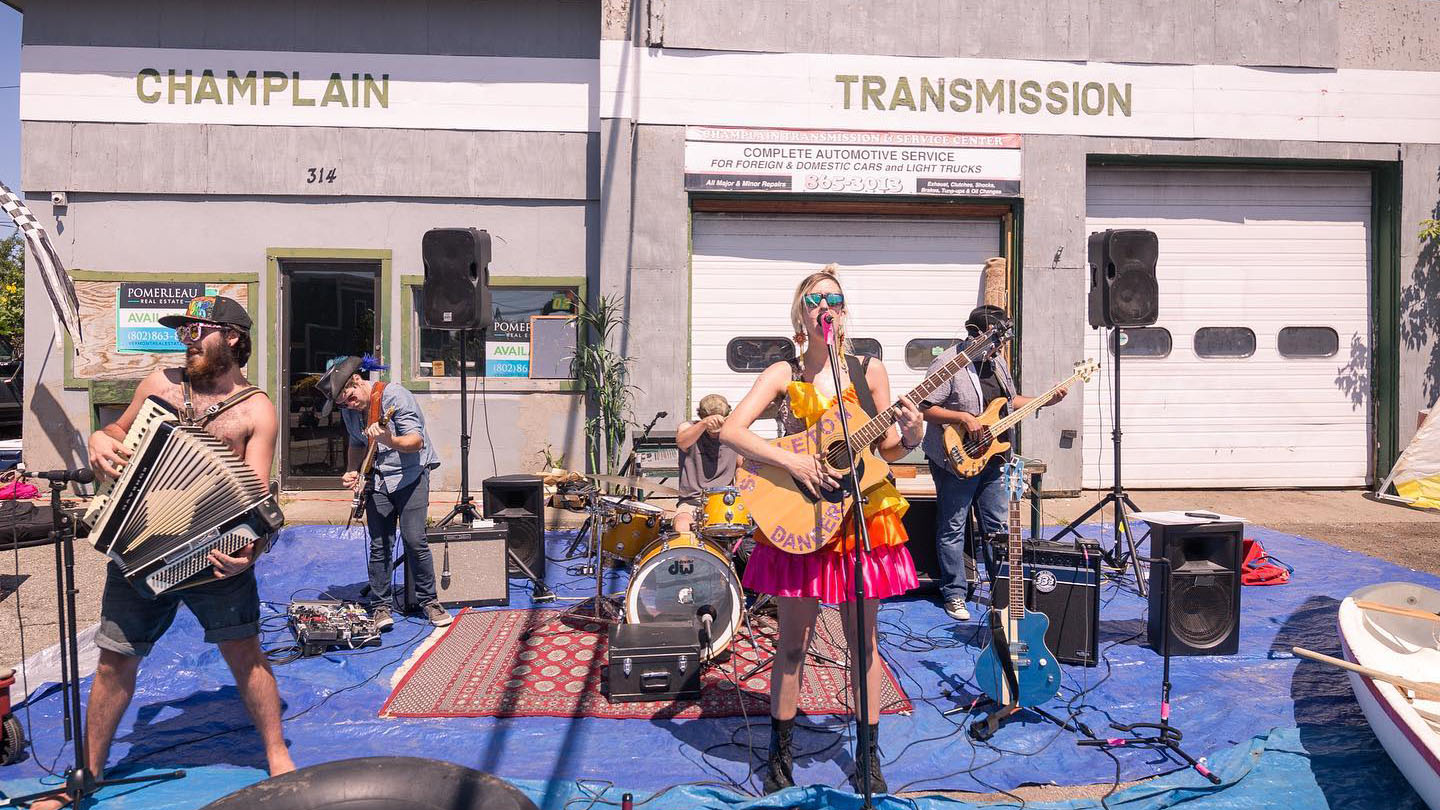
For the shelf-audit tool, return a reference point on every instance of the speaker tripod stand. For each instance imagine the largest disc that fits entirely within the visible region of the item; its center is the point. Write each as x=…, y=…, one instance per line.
x=1116, y=556
x=465, y=509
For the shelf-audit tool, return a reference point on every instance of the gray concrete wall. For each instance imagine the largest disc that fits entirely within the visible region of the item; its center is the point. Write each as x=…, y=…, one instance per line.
x=554, y=28
x=1419, y=317
x=231, y=235
x=1229, y=32
x=249, y=160
x=656, y=280
x=1390, y=34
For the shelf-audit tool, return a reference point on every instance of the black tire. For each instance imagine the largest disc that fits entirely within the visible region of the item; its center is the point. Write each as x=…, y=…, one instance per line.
x=379, y=783
x=12, y=741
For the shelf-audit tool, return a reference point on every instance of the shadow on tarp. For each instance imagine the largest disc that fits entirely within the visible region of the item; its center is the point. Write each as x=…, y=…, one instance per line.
x=1270, y=771
x=182, y=712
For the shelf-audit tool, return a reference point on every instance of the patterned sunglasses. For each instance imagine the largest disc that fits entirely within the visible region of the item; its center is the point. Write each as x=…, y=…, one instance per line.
x=193, y=331
x=835, y=300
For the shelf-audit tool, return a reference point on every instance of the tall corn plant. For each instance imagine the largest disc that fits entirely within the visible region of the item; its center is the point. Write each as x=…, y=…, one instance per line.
x=605, y=373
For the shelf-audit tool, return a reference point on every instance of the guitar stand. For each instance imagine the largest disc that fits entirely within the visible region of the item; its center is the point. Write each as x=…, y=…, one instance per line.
x=985, y=728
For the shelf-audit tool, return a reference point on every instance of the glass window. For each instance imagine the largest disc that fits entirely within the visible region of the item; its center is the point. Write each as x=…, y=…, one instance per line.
x=921, y=352
x=505, y=349
x=1144, y=341
x=755, y=354
x=867, y=347
x=1308, y=341
x=1224, y=341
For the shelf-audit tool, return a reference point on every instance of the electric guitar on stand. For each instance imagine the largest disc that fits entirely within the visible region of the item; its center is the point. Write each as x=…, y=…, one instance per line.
x=1017, y=669
x=968, y=455
x=367, y=485
x=793, y=520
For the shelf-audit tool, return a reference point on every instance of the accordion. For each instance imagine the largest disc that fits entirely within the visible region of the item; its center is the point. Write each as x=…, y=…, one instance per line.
x=182, y=494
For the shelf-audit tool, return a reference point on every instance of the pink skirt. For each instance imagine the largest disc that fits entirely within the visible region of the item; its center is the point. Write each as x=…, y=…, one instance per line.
x=828, y=574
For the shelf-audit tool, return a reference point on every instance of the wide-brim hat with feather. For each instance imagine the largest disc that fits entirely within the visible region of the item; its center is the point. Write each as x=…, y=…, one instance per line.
x=335, y=378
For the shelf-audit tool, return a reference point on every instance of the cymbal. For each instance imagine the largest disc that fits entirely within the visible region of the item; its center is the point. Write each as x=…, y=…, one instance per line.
x=649, y=485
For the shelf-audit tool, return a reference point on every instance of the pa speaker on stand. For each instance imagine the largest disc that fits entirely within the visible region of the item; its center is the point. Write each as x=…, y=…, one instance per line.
x=457, y=279
x=1202, y=582
x=519, y=501
x=1123, y=288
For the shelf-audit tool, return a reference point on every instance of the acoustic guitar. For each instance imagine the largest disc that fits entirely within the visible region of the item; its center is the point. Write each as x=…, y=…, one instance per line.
x=797, y=522
x=968, y=454
x=367, y=488
x=1017, y=669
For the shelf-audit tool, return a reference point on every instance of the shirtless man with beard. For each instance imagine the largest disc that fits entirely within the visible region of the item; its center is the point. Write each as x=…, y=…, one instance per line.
x=216, y=334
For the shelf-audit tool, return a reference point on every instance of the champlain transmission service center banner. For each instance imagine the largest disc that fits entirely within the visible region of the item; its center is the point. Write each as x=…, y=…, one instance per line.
x=819, y=161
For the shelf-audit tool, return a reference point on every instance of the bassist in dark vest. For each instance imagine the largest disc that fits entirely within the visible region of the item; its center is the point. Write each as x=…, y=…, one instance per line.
x=400, y=478
x=960, y=402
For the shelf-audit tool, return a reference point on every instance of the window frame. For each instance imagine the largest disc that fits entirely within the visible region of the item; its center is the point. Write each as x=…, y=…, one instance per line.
x=778, y=338
x=1195, y=344
x=1280, y=335
x=1169, y=339
x=410, y=339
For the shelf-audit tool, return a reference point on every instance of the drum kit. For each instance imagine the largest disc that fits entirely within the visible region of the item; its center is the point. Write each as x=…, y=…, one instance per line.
x=675, y=576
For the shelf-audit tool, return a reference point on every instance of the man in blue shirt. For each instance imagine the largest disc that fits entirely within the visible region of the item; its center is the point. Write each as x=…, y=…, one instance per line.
x=404, y=457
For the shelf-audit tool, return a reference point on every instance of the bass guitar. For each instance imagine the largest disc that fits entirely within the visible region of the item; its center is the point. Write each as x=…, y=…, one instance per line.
x=367, y=487
x=1017, y=669
x=969, y=454
x=797, y=522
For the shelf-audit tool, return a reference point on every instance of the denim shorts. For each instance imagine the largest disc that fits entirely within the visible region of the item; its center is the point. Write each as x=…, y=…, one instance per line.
x=130, y=624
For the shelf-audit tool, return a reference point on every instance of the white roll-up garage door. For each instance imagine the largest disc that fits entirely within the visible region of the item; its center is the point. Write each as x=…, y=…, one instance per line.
x=910, y=284
x=1257, y=373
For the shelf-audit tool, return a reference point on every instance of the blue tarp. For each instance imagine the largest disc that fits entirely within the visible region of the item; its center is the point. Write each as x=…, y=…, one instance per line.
x=1320, y=753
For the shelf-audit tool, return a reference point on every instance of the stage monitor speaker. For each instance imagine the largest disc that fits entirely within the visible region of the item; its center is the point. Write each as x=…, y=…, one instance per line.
x=476, y=563
x=457, y=278
x=1202, y=584
x=519, y=501
x=1123, y=288
x=919, y=523
x=1062, y=580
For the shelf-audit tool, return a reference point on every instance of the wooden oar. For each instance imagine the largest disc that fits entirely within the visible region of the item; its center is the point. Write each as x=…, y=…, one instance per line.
x=1426, y=690
x=1381, y=607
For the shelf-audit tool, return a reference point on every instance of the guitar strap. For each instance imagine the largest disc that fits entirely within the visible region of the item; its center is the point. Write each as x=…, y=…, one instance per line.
x=375, y=391
x=187, y=413
x=857, y=368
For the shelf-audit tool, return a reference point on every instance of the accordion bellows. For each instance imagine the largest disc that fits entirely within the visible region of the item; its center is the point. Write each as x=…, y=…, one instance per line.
x=182, y=494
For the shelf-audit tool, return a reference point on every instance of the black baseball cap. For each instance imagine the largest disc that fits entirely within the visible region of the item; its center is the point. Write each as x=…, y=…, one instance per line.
x=334, y=380
x=213, y=309
x=984, y=317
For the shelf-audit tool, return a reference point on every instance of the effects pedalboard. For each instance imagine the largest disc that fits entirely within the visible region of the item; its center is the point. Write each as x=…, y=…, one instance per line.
x=330, y=624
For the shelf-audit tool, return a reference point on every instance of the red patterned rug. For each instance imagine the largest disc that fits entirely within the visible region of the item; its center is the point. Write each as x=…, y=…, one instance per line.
x=534, y=663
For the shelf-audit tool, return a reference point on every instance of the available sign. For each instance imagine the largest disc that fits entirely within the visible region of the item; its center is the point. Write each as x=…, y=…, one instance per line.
x=810, y=161
x=507, y=349
x=139, y=308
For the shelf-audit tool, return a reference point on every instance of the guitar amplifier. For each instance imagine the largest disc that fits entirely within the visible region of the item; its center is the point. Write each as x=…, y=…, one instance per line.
x=475, y=560
x=1062, y=580
x=654, y=661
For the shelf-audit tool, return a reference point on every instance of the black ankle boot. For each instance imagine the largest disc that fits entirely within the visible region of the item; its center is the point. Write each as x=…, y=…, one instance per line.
x=877, y=779
x=780, y=764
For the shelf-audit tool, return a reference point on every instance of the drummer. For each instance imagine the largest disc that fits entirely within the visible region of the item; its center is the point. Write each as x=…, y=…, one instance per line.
x=705, y=463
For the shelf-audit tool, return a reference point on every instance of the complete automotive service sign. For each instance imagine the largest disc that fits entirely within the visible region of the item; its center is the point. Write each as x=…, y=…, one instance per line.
x=743, y=159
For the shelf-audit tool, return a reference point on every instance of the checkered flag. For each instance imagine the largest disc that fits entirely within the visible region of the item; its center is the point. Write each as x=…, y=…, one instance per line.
x=52, y=272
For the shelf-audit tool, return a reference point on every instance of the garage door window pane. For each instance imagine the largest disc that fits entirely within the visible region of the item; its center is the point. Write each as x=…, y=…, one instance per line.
x=921, y=352
x=1308, y=341
x=1224, y=341
x=754, y=354
x=1144, y=341
x=867, y=347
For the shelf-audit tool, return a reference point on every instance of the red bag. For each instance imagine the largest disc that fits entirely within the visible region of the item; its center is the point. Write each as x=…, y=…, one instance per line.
x=18, y=489
x=1259, y=568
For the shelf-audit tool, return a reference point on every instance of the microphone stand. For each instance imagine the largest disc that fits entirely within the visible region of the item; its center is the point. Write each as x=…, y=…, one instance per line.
x=1166, y=737
x=80, y=783
x=862, y=549
x=624, y=468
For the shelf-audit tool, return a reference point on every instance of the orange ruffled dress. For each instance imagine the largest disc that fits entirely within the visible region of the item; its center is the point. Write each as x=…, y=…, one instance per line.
x=828, y=573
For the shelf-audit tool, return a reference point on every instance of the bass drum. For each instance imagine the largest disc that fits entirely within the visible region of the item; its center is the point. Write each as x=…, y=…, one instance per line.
x=678, y=575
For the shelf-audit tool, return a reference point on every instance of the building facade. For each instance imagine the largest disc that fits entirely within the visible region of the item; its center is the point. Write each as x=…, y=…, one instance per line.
x=696, y=159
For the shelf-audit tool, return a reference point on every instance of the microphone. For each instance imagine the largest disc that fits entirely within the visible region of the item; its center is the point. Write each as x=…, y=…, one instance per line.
x=827, y=324
x=84, y=475
x=662, y=414
x=707, y=618
x=445, y=569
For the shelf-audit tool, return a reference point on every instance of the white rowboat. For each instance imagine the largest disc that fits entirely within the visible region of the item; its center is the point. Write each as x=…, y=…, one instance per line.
x=1406, y=647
